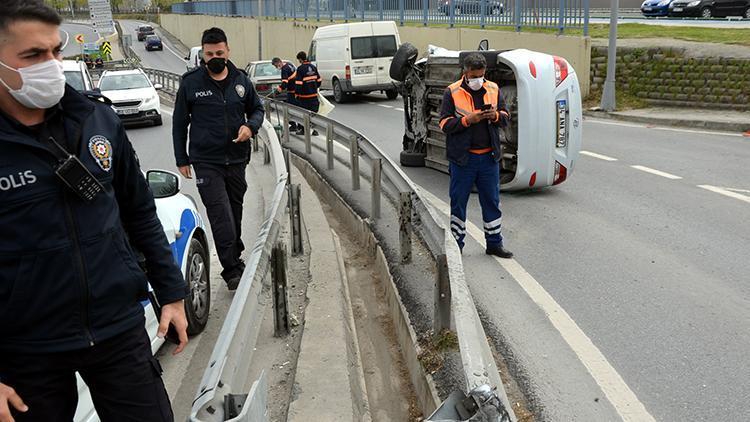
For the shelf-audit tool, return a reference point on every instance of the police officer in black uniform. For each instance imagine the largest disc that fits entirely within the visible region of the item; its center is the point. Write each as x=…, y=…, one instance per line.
x=307, y=80
x=72, y=202
x=220, y=105
x=288, y=72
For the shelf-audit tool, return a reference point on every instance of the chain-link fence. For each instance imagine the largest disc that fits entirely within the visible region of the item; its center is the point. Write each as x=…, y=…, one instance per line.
x=552, y=14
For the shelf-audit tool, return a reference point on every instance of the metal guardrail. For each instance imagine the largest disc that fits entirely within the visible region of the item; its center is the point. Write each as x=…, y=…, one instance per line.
x=227, y=371
x=555, y=14
x=170, y=82
x=455, y=302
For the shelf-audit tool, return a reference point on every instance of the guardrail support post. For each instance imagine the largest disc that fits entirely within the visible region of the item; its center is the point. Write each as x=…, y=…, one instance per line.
x=256, y=144
x=296, y=216
x=354, y=159
x=278, y=277
x=288, y=162
x=404, y=229
x=308, y=135
x=329, y=145
x=442, y=313
x=266, y=154
x=285, y=123
x=377, y=168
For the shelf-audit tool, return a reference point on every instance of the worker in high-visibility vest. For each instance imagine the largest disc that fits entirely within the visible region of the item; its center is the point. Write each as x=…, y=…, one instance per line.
x=307, y=81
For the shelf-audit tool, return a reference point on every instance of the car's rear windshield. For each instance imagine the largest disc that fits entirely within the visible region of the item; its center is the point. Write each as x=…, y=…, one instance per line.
x=152, y=38
x=146, y=28
x=266, y=69
x=372, y=47
x=118, y=82
x=74, y=78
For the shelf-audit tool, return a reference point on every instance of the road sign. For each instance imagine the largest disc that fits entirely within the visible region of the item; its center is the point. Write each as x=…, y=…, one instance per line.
x=80, y=39
x=101, y=16
x=106, y=47
x=90, y=47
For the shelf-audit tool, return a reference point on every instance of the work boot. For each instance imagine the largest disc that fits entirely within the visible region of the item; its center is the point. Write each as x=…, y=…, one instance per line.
x=314, y=132
x=233, y=282
x=300, y=130
x=499, y=250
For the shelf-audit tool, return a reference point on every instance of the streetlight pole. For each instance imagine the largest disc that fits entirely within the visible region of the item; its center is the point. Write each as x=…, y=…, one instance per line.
x=72, y=9
x=608, y=96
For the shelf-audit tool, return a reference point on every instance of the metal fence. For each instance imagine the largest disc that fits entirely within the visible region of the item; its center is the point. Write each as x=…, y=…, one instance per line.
x=551, y=14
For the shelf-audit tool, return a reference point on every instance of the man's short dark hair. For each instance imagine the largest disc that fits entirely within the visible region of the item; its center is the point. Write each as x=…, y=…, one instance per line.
x=213, y=36
x=275, y=61
x=302, y=56
x=475, y=61
x=26, y=10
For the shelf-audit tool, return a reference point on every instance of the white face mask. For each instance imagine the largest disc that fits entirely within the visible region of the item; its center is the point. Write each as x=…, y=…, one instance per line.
x=475, y=83
x=43, y=84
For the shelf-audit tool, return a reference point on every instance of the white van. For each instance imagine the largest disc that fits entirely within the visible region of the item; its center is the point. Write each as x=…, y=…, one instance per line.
x=356, y=57
x=194, y=58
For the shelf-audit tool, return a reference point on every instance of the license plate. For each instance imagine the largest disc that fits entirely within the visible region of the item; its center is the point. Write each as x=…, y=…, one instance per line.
x=678, y=9
x=362, y=70
x=562, y=123
x=647, y=9
x=127, y=111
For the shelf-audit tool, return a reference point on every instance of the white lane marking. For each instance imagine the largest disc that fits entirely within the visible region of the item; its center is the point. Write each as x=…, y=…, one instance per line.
x=656, y=172
x=67, y=38
x=623, y=399
x=599, y=156
x=399, y=109
x=385, y=105
x=732, y=193
x=669, y=129
x=179, y=56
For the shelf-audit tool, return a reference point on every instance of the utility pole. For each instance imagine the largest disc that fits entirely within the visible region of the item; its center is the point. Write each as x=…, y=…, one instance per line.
x=608, y=96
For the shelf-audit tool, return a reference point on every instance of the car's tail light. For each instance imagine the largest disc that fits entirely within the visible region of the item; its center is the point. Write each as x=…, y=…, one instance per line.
x=561, y=173
x=561, y=70
x=532, y=69
x=262, y=87
x=348, y=73
x=532, y=180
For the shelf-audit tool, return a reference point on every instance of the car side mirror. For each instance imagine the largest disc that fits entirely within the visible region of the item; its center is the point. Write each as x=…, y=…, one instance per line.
x=163, y=183
x=158, y=86
x=484, y=45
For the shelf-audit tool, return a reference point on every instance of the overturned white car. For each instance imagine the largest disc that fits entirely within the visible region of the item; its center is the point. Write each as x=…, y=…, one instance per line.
x=542, y=143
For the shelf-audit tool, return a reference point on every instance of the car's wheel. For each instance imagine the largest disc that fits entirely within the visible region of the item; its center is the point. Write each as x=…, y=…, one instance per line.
x=158, y=121
x=706, y=13
x=198, y=302
x=392, y=94
x=338, y=92
x=404, y=58
x=412, y=159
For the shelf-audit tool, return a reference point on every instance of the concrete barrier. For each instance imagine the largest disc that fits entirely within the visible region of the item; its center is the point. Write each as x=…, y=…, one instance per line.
x=252, y=39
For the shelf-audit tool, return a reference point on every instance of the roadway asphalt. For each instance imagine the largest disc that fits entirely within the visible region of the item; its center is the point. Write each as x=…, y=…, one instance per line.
x=170, y=59
x=645, y=248
x=68, y=32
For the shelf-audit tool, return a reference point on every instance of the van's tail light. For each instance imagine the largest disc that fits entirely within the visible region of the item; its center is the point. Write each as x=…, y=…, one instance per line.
x=561, y=70
x=561, y=173
x=532, y=180
x=348, y=73
x=532, y=69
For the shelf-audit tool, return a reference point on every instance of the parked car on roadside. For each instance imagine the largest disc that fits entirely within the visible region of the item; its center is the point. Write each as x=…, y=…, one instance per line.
x=194, y=58
x=653, y=8
x=153, y=42
x=133, y=96
x=710, y=8
x=143, y=31
x=187, y=235
x=542, y=94
x=471, y=7
x=264, y=76
x=77, y=75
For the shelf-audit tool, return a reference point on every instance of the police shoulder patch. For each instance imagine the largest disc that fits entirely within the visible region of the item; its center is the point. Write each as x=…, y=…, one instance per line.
x=240, y=90
x=101, y=149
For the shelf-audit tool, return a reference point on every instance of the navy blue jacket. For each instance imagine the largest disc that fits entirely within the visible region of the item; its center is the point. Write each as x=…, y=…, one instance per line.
x=460, y=139
x=214, y=116
x=308, y=80
x=287, y=73
x=68, y=276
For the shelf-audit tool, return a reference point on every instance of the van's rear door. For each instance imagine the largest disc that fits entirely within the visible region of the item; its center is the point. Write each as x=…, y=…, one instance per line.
x=362, y=47
x=386, y=42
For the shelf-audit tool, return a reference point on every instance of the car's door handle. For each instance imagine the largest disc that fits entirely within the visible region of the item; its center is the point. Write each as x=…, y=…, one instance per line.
x=381, y=68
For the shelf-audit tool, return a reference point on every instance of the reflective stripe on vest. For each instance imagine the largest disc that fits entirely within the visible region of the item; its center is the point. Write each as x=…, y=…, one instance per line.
x=464, y=102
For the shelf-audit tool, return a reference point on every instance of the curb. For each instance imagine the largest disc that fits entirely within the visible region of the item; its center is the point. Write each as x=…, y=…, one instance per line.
x=683, y=123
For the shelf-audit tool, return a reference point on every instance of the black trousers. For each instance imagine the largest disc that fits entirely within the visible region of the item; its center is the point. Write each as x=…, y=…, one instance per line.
x=222, y=190
x=124, y=379
x=311, y=104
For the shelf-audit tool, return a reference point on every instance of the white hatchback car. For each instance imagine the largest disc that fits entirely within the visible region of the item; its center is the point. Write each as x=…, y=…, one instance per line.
x=77, y=75
x=133, y=96
x=541, y=92
x=188, y=237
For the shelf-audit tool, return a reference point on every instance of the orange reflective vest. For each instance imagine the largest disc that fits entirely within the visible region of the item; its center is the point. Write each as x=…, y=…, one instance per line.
x=464, y=102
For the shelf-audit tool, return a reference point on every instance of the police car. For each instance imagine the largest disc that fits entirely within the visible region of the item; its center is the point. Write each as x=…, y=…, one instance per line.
x=542, y=94
x=187, y=235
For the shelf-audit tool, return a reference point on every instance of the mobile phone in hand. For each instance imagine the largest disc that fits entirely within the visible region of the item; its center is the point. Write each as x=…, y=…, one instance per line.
x=172, y=335
x=486, y=107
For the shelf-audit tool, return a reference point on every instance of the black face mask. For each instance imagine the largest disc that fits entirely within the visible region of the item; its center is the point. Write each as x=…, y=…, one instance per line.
x=216, y=65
